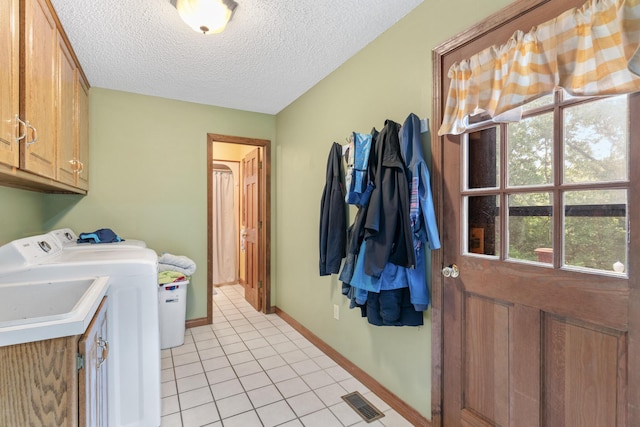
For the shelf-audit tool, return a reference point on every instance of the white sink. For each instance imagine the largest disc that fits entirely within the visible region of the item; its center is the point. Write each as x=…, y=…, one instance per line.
x=33, y=311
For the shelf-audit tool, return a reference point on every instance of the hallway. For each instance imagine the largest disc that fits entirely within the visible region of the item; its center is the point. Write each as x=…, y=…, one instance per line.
x=249, y=369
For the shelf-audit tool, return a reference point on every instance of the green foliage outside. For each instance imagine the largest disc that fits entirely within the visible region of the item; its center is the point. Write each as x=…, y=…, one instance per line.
x=595, y=150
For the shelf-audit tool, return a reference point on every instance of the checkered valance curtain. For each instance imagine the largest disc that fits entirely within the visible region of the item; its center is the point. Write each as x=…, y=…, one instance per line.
x=591, y=50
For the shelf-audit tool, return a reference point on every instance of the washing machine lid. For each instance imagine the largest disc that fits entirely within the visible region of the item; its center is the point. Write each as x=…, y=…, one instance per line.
x=68, y=239
x=42, y=257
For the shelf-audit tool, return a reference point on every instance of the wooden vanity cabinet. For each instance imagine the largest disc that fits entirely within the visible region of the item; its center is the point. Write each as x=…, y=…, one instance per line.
x=46, y=148
x=50, y=383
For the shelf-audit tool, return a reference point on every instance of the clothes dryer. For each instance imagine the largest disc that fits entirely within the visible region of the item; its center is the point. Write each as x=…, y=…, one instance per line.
x=134, y=395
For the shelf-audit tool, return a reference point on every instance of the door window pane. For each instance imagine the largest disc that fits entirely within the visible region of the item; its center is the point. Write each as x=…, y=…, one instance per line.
x=530, y=151
x=483, y=225
x=483, y=158
x=595, y=229
x=540, y=102
x=595, y=141
x=531, y=227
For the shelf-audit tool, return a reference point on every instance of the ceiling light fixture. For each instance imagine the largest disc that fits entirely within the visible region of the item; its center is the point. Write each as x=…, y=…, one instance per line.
x=206, y=16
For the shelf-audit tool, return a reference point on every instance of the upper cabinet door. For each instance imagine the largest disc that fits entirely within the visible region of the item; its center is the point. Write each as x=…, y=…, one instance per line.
x=39, y=88
x=9, y=75
x=83, y=133
x=68, y=163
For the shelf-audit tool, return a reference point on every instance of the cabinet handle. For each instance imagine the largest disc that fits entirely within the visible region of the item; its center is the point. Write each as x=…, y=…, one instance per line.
x=81, y=167
x=24, y=126
x=74, y=165
x=105, y=350
x=35, y=134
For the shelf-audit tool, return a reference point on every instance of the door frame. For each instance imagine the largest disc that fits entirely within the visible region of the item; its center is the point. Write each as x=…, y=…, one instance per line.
x=264, y=212
x=490, y=24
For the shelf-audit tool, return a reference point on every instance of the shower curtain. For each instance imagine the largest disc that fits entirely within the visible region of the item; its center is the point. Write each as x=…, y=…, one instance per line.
x=224, y=233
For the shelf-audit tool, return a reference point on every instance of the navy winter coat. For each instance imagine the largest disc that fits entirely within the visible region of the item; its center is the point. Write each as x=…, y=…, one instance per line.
x=333, y=218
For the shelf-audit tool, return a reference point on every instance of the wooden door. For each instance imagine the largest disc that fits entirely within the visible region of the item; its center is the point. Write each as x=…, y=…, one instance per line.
x=539, y=323
x=251, y=208
x=67, y=122
x=92, y=378
x=9, y=74
x=39, y=88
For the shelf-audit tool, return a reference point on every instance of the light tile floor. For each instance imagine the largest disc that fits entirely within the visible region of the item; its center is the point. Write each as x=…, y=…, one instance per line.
x=250, y=369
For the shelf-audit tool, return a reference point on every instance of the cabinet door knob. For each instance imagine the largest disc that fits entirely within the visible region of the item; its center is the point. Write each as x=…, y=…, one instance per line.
x=104, y=344
x=35, y=133
x=24, y=126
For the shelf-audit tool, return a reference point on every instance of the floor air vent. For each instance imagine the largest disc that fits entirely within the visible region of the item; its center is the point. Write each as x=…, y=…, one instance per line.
x=362, y=406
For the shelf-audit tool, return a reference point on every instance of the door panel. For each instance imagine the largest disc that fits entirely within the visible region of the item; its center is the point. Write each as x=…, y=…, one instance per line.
x=486, y=356
x=581, y=372
x=251, y=186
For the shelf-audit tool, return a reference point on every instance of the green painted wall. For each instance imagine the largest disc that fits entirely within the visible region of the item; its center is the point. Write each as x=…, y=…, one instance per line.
x=390, y=78
x=20, y=214
x=148, y=176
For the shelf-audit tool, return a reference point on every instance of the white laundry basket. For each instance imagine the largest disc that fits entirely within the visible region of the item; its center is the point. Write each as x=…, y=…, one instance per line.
x=172, y=311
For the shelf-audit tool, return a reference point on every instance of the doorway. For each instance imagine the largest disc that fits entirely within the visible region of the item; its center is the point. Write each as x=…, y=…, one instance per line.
x=534, y=290
x=246, y=162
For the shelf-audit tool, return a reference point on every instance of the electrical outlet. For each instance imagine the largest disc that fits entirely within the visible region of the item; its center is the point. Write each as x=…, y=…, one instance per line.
x=336, y=312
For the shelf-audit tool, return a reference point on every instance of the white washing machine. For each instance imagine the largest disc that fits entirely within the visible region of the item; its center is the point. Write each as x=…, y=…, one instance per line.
x=68, y=239
x=133, y=328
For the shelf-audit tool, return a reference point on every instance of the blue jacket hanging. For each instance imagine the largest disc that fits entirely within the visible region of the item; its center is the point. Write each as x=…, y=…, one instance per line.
x=422, y=213
x=357, y=178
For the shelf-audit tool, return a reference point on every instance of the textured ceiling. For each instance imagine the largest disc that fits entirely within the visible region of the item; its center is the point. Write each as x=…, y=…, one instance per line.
x=270, y=54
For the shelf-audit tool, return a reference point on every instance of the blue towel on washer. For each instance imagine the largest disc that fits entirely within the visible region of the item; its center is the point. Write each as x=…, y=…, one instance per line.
x=104, y=235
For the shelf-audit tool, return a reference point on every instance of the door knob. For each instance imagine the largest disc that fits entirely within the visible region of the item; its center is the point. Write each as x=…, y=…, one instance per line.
x=451, y=271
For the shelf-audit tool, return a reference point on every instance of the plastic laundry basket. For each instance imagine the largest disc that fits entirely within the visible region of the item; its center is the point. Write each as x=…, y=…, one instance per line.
x=172, y=310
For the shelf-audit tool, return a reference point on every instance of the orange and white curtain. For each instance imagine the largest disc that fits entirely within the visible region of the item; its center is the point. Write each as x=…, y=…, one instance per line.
x=588, y=51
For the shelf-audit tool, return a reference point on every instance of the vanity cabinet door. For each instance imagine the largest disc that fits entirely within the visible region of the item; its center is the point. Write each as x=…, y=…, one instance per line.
x=93, y=347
